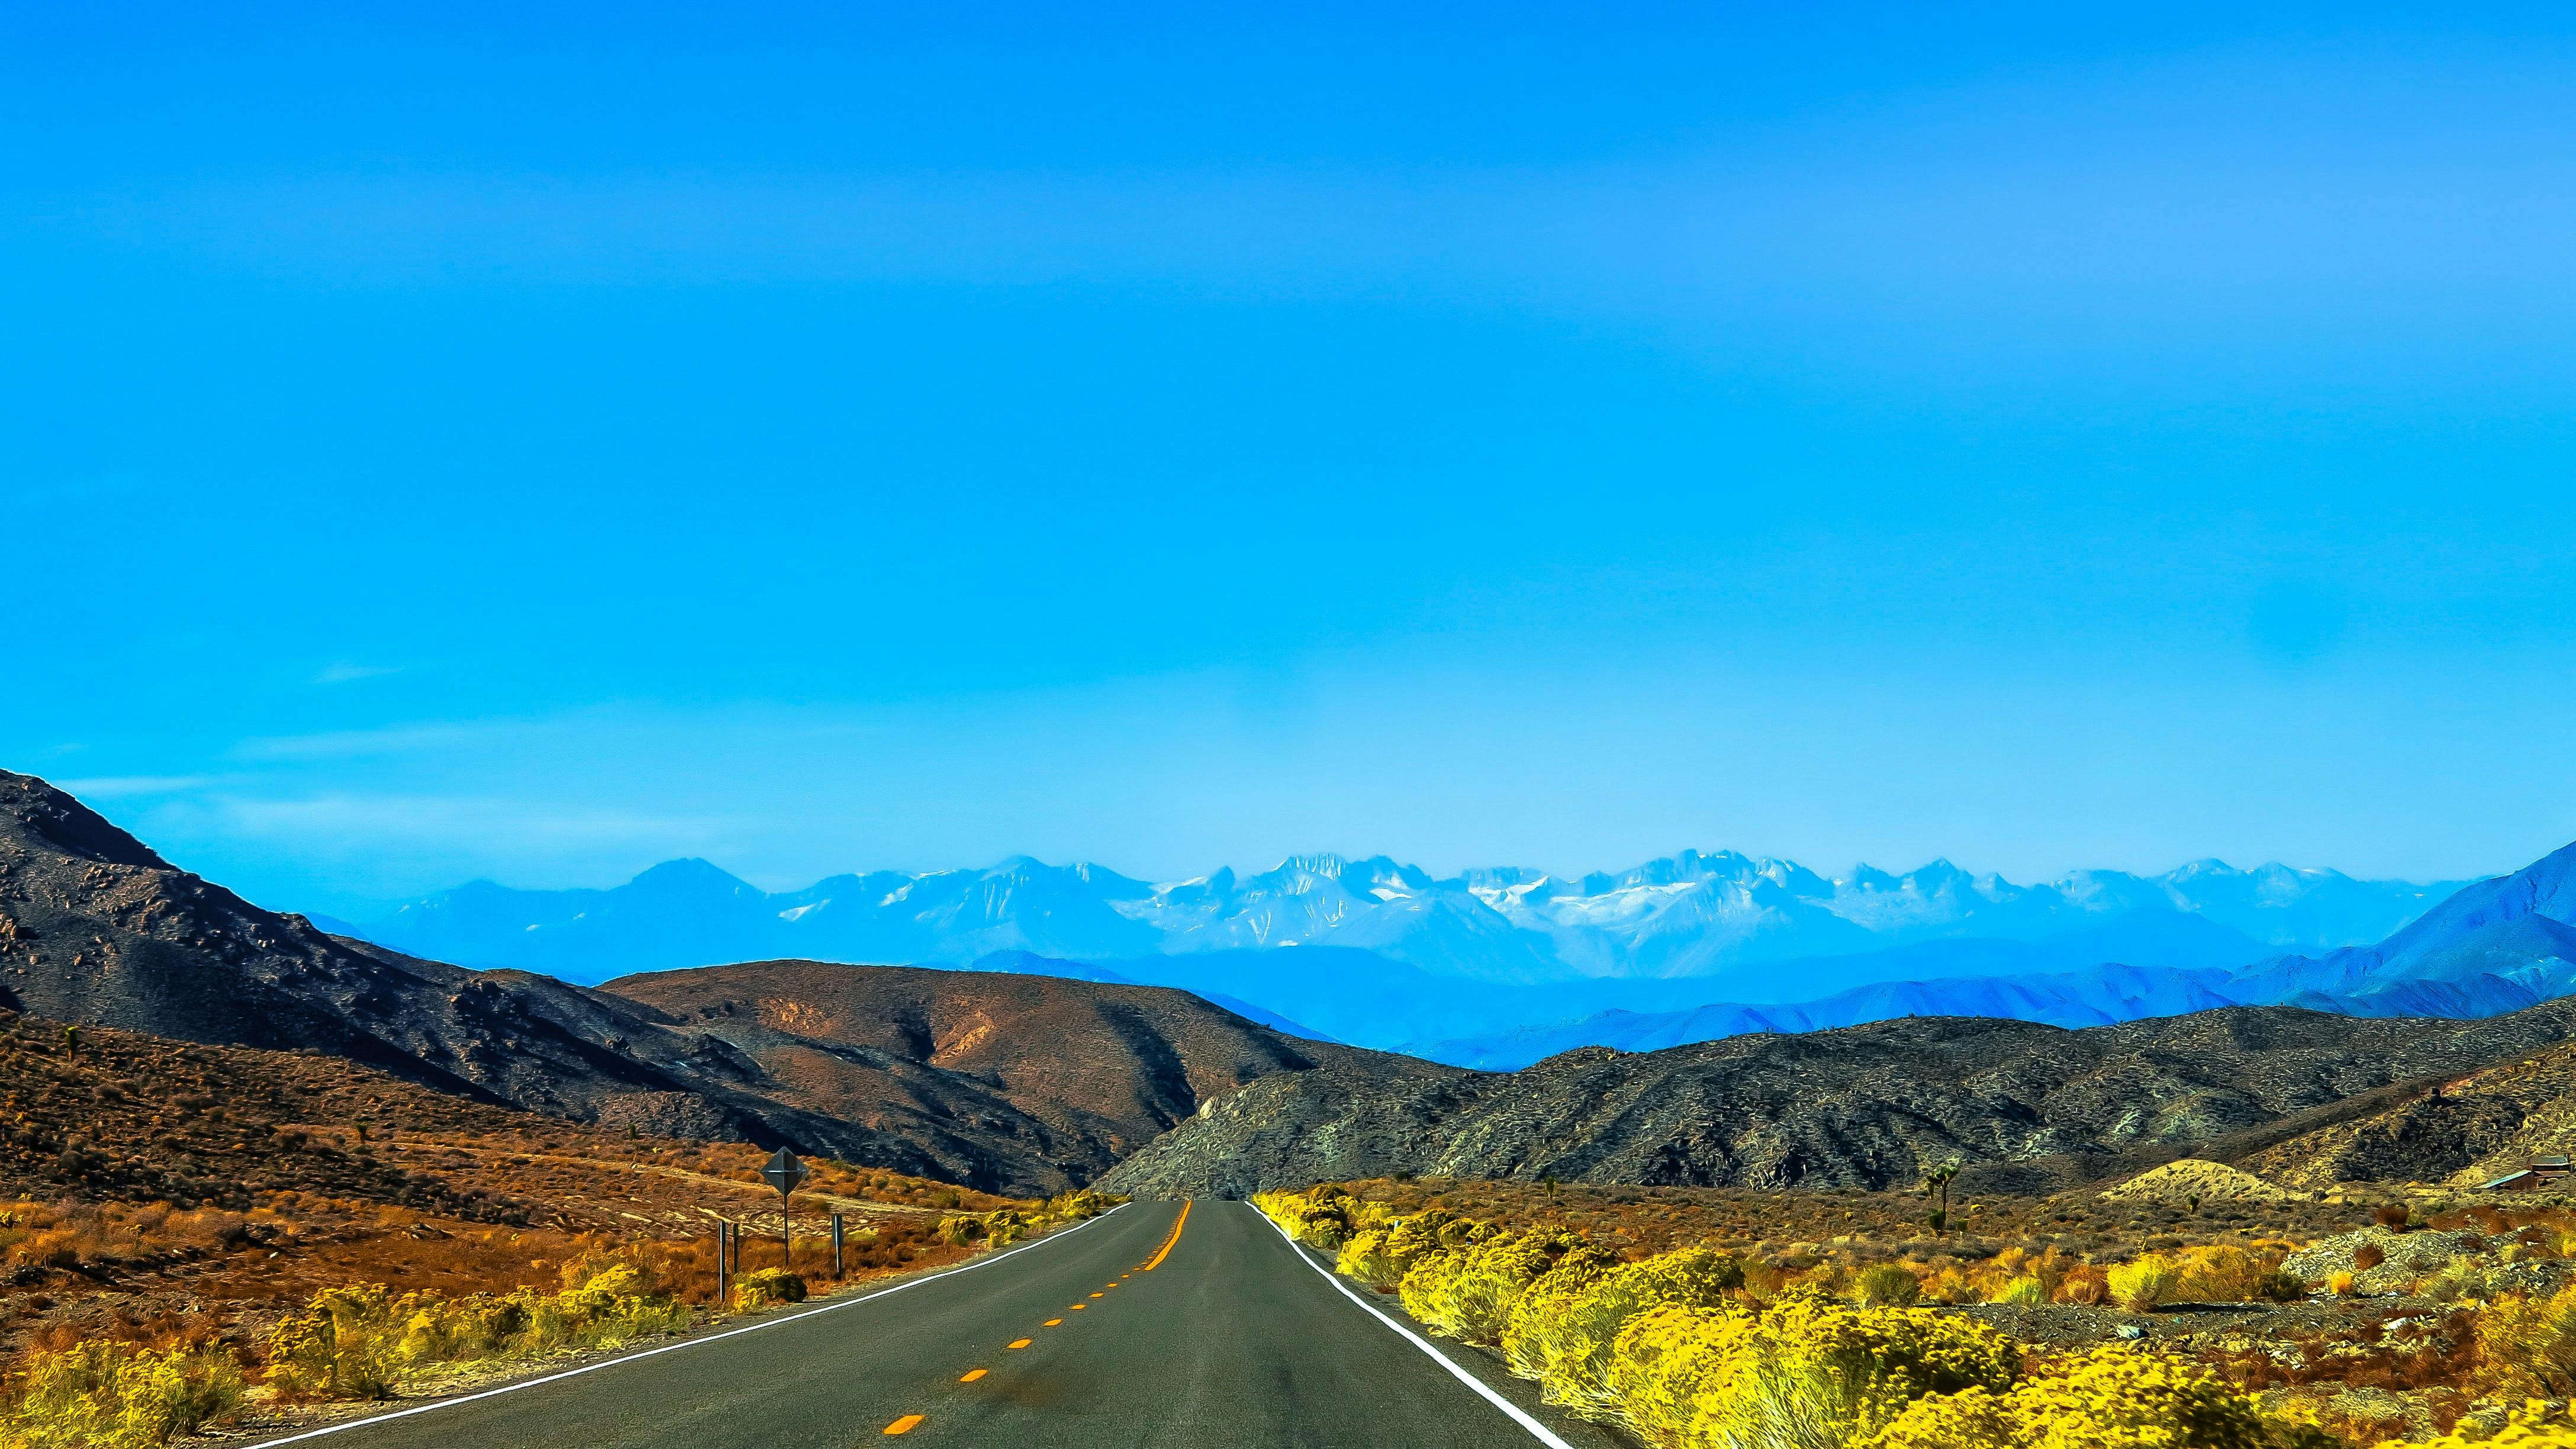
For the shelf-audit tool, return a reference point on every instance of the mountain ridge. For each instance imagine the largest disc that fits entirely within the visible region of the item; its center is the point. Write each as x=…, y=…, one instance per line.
x=1717, y=916
x=97, y=929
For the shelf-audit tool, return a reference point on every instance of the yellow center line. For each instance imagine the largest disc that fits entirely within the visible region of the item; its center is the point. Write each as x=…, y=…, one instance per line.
x=903, y=1425
x=1077, y=1308
x=1095, y=1295
x=971, y=1375
x=1054, y=1322
x=1019, y=1343
x=1165, y=1251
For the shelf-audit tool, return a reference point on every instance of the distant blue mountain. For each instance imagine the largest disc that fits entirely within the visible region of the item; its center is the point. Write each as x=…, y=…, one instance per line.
x=1748, y=928
x=1505, y=966
x=2493, y=947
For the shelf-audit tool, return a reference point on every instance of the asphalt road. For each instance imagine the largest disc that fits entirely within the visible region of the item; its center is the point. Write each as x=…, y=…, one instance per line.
x=1144, y=1327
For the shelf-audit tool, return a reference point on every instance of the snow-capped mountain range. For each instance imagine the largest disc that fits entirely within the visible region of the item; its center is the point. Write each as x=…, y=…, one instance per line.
x=1704, y=926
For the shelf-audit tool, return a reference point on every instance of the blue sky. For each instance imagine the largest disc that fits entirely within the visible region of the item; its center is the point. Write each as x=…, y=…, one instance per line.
x=538, y=441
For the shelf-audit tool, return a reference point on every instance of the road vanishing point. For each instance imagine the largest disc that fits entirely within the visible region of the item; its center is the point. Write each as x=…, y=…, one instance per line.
x=1158, y=1324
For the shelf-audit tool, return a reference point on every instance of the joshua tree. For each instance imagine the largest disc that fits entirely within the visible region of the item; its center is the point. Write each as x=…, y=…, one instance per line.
x=71, y=1041
x=1938, y=1181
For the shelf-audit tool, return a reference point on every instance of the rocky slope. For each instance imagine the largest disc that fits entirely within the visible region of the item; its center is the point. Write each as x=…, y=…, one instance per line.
x=1869, y=1106
x=984, y=1068
x=95, y=928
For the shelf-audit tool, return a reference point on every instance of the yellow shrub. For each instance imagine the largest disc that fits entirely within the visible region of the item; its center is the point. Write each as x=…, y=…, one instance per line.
x=2022, y=1290
x=1816, y=1373
x=346, y=1344
x=767, y=1286
x=1562, y=1331
x=2111, y=1398
x=1972, y=1418
x=2536, y=1426
x=2527, y=1346
x=360, y=1342
x=2219, y=1274
x=1663, y=1360
x=1885, y=1285
x=116, y=1396
x=1469, y=1293
x=1318, y=1218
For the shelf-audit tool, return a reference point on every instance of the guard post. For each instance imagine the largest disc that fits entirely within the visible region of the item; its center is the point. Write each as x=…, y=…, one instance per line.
x=839, y=1236
x=724, y=1261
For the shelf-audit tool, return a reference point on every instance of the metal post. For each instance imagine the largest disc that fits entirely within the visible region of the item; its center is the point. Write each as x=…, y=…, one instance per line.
x=838, y=1236
x=733, y=1244
x=786, y=1249
x=724, y=1250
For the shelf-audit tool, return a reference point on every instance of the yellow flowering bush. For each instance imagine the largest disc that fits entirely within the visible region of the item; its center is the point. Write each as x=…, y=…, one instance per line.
x=1562, y=1331
x=2222, y=1273
x=1469, y=1293
x=116, y=1396
x=2527, y=1346
x=768, y=1286
x=1320, y=1219
x=359, y=1341
x=2112, y=1398
x=2536, y=1426
x=1385, y=1254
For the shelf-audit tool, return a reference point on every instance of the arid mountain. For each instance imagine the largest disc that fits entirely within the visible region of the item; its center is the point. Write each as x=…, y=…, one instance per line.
x=1869, y=1106
x=984, y=1068
x=2469, y=1129
x=97, y=929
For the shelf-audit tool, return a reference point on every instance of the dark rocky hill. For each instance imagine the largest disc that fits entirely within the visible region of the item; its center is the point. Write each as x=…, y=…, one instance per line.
x=95, y=928
x=1870, y=1106
x=983, y=1067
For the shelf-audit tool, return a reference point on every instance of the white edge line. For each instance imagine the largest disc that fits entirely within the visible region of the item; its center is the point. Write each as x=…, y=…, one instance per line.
x=591, y=1368
x=1520, y=1416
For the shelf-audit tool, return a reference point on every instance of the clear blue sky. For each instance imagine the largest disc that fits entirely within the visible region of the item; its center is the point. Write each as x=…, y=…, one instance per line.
x=536, y=441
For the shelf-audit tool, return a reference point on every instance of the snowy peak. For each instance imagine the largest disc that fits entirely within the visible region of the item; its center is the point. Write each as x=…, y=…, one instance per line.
x=1693, y=914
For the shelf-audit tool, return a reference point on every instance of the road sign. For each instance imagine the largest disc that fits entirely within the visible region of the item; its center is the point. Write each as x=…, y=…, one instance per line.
x=785, y=1172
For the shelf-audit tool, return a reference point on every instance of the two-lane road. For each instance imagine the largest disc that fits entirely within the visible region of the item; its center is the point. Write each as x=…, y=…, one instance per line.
x=1160, y=1324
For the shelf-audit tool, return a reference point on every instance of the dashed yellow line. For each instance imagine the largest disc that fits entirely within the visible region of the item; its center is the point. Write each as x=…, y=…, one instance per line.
x=971, y=1375
x=1019, y=1343
x=904, y=1425
x=1055, y=1323
x=1165, y=1251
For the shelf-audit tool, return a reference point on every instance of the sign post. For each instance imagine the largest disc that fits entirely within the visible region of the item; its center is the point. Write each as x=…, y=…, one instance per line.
x=784, y=1173
x=839, y=1235
x=724, y=1254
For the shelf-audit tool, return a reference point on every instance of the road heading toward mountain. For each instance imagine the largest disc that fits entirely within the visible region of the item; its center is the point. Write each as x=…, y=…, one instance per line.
x=1160, y=1324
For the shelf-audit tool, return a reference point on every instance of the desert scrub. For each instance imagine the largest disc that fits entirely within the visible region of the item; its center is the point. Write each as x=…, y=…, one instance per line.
x=1003, y=1226
x=2222, y=1273
x=2537, y=1425
x=1803, y=1373
x=2527, y=1346
x=1319, y=1219
x=1469, y=1293
x=1383, y=1255
x=1885, y=1285
x=2113, y=1398
x=118, y=1396
x=361, y=1342
x=768, y=1286
x=1562, y=1330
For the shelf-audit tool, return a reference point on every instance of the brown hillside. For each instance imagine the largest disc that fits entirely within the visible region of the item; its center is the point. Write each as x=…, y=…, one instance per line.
x=984, y=1068
x=2467, y=1129
x=2028, y=1107
x=1008, y=1083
